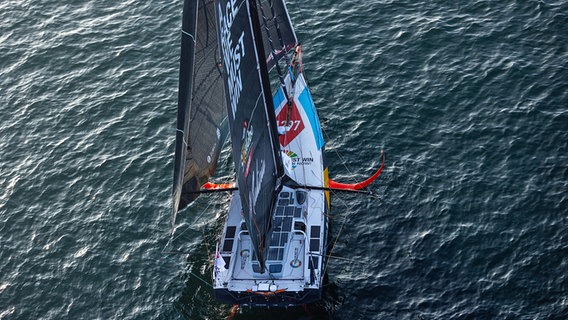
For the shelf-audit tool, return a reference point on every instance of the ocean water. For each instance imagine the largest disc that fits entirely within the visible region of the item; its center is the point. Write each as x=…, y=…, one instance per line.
x=469, y=99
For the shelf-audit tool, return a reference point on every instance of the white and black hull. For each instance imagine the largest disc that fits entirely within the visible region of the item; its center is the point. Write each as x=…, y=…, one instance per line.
x=295, y=263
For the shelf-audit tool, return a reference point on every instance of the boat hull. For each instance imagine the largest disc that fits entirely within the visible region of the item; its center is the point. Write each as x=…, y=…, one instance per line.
x=284, y=299
x=296, y=259
x=293, y=265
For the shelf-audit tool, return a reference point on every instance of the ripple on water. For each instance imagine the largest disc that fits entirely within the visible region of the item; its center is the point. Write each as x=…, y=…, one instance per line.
x=468, y=100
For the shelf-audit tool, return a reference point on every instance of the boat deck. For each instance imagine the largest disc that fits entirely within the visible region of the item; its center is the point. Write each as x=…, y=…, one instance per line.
x=293, y=262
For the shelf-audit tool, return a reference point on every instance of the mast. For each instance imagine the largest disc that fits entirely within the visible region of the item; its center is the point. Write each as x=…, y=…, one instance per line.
x=252, y=118
x=272, y=128
x=267, y=93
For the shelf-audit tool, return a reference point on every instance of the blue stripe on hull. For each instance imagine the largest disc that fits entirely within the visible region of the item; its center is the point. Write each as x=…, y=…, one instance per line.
x=278, y=98
x=305, y=99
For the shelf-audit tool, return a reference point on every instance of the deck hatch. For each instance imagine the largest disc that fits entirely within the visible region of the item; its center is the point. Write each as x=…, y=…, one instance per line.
x=230, y=232
x=315, y=238
x=314, y=244
x=315, y=232
x=275, y=268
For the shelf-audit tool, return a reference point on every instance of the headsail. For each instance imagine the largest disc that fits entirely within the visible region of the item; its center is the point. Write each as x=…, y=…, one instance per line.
x=202, y=118
x=276, y=25
x=252, y=120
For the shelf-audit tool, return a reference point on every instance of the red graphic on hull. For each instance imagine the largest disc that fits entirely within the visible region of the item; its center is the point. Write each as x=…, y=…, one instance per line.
x=290, y=119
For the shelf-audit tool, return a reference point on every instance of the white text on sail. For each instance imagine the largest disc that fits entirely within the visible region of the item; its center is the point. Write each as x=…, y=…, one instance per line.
x=232, y=54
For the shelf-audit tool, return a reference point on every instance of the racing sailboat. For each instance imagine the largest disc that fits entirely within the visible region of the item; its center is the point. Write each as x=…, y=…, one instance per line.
x=241, y=75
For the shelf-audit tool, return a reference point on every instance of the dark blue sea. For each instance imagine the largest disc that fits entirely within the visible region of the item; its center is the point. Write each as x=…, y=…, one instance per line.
x=469, y=100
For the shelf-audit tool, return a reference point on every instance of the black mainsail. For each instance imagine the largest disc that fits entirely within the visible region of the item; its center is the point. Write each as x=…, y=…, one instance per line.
x=202, y=118
x=252, y=119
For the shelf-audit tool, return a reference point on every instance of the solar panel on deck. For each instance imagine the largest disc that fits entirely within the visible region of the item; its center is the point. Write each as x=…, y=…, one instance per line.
x=287, y=224
x=278, y=225
x=284, y=195
x=275, y=239
x=283, y=202
x=228, y=245
x=275, y=268
x=231, y=232
x=297, y=212
x=283, y=239
x=289, y=212
x=279, y=211
x=314, y=244
x=273, y=254
x=315, y=231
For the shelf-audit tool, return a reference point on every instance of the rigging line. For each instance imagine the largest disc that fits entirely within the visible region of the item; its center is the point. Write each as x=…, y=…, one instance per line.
x=166, y=254
x=339, y=258
x=192, y=224
x=202, y=280
x=204, y=237
x=206, y=245
x=183, y=139
x=338, y=234
x=189, y=34
x=189, y=271
x=205, y=241
x=167, y=245
x=341, y=158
